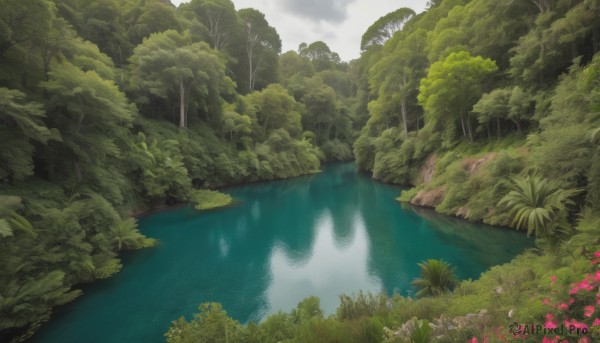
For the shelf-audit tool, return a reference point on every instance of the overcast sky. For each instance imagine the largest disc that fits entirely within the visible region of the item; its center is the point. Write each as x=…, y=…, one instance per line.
x=339, y=23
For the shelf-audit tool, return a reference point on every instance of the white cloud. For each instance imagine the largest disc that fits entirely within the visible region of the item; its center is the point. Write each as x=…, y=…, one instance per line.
x=341, y=24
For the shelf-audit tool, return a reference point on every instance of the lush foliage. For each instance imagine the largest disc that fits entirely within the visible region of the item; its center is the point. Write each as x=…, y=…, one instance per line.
x=108, y=108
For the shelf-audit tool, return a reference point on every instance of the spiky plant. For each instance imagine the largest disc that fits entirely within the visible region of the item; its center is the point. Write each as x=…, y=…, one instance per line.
x=538, y=205
x=437, y=278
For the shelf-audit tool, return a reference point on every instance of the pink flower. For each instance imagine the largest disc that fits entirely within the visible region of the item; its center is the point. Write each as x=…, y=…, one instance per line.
x=473, y=340
x=550, y=317
x=546, y=301
x=563, y=306
x=553, y=278
x=597, y=276
x=597, y=254
x=548, y=340
x=571, y=301
x=584, y=284
x=550, y=325
x=584, y=339
x=588, y=311
x=579, y=325
x=596, y=322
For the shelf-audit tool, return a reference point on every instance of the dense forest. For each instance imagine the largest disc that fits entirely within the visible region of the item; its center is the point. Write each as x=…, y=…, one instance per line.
x=112, y=107
x=489, y=110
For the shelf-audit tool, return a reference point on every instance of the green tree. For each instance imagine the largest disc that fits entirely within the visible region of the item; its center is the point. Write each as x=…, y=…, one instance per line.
x=169, y=65
x=20, y=126
x=452, y=87
x=291, y=64
x=320, y=55
x=504, y=104
x=385, y=27
x=493, y=106
x=275, y=109
x=24, y=21
x=93, y=117
x=262, y=42
x=321, y=110
x=437, y=278
x=235, y=124
x=397, y=77
x=219, y=17
x=142, y=21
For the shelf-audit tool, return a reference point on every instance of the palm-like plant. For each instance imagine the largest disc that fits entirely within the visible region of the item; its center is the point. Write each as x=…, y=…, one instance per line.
x=125, y=235
x=437, y=278
x=538, y=205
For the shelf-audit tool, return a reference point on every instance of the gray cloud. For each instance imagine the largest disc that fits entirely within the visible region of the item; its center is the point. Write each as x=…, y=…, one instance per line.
x=317, y=10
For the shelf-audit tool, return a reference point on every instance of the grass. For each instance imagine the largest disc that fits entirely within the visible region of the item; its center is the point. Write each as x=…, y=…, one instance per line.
x=207, y=200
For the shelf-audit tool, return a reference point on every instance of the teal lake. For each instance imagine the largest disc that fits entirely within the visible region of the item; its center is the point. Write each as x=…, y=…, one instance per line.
x=324, y=234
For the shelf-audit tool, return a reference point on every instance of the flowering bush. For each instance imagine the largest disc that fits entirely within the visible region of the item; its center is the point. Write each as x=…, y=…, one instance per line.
x=576, y=315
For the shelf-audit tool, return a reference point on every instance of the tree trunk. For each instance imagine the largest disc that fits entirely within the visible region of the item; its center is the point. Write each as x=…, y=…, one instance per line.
x=462, y=123
x=498, y=126
x=469, y=129
x=266, y=123
x=181, y=105
x=250, y=72
x=404, y=118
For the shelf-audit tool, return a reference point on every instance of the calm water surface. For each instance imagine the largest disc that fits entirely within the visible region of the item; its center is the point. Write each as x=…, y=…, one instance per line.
x=326, y=234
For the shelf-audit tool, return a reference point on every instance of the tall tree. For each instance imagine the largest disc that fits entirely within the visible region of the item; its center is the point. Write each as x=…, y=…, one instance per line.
x=93, y=116
x=397, y=76
x=291, y=63
x=320, y=55
x=20, y=125
x=219, y=17
x=452, y=87
x=385, y=27
x=262, y=41
x=24, y=21
x=169, y=65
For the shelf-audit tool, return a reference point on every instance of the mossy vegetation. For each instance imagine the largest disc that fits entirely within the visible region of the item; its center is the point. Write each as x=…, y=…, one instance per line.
x=206, y=199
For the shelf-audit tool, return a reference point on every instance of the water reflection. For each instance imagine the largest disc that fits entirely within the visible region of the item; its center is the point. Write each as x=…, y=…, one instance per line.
x=328, y=271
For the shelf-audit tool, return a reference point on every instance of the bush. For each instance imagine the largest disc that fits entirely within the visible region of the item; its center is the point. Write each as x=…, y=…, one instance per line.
x=407, y=194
